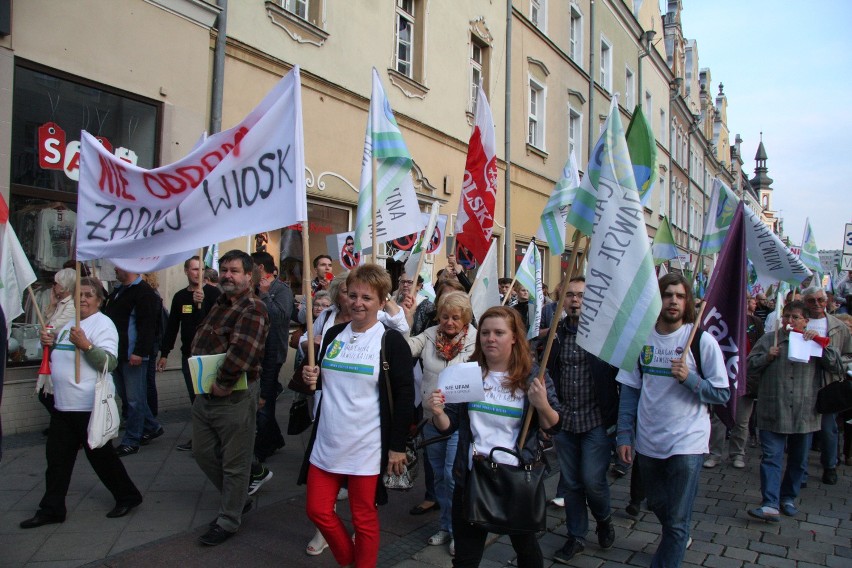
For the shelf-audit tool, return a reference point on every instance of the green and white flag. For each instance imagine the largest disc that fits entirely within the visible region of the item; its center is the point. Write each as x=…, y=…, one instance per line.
x=485, y=293
x=723, y=204
x=622, y=298
x=529, y=276
x=643, y=153
x=554, y=218
x=809, y=254
x=383, y=143
x=664, y=247
x=211, y=257
x=420, y=246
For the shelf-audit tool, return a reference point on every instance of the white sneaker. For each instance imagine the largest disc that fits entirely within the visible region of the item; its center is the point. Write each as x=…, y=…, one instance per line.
x=738, y=463
x=452, y=547
x=440, y=537
x=558, y=501
x=343, y=494
x=710, y=463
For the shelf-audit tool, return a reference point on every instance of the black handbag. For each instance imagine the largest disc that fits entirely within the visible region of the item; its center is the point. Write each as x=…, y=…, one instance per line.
x=505, y=499
x=834, y=397
x=300, y=417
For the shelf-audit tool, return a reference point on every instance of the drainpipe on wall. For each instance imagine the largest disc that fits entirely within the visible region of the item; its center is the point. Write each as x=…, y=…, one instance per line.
x=593, y=136
x=508, y=248
x=218, y=79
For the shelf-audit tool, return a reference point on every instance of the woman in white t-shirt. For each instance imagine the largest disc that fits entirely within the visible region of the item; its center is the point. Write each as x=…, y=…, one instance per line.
x=362, y=419
x=511, y=388
x=97, y=339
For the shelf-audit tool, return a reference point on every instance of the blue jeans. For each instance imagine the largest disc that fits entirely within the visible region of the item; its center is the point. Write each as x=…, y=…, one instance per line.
x=441, y=456
x=773, y=488
x=583, y=461
x=671, y=485
x=132, y=386
x=828, y=454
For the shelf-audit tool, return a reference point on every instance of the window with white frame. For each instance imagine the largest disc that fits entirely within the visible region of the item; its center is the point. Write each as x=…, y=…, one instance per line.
x=605, y=77
x=629, y=88
x=575, y=47
x=575, y=132
x=405, y=37
x=535, y=130
x=298, y=7
x=478, y=52
x=663, y=127
x=662, y=186
x=538, y=14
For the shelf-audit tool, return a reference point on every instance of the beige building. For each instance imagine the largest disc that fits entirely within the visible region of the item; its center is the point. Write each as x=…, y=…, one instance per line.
x=143, y=75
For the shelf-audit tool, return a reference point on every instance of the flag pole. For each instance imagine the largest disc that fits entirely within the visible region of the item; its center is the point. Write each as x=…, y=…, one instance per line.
x=511, y=287
x=35, y=306
x=306, y=292
x=425, y=246
x=551, y=334
x=374, y=206
x=77, y=322
x=200, y=272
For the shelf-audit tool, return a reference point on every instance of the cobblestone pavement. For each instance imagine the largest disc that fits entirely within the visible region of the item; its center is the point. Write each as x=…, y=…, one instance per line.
x=179, y=501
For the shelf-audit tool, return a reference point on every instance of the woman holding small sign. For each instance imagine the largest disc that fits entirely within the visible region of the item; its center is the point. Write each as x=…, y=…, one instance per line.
x=450, y=342
x=511, y=390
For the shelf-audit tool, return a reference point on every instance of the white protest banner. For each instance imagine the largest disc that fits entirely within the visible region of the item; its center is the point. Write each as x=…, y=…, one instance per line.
x=772, y=260
x=249, y=178
x=341, y=247
x=461, y=383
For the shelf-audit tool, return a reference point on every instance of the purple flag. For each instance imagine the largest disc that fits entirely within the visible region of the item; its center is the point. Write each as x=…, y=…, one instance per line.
x=725, y=311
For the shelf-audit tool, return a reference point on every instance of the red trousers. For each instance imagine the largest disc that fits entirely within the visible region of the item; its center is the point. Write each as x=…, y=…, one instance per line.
x=321, y=497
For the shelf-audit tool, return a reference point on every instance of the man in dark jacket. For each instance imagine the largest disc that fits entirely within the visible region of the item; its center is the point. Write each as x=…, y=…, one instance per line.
x=189, y=306
x=134, y=309
x=278, y=298
x=588, y=394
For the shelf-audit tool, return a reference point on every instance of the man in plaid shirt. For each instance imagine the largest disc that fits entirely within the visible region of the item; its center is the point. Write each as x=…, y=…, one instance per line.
x=223, y=421
x=588, y=395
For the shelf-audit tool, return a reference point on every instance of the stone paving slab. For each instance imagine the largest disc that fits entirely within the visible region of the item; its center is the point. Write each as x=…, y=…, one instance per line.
x=179, y=501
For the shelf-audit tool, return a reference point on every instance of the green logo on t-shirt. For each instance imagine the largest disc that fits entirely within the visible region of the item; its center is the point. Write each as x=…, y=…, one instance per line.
x=647, y=354
x=334, y=349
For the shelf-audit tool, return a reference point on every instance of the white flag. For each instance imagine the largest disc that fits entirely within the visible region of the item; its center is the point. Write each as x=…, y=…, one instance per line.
x=422, y=243
x=15, y=270
x=529, y=276
x=485, y=293
x=250, y=178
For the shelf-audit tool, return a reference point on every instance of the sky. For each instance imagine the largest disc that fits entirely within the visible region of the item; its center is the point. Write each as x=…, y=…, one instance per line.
x=787, y=72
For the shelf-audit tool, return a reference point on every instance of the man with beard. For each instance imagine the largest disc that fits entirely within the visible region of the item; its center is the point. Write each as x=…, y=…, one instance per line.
x=664, y=401
x=223, y=420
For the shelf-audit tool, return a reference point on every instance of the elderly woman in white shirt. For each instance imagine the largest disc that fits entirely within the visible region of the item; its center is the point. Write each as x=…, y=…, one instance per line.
x=58, y=313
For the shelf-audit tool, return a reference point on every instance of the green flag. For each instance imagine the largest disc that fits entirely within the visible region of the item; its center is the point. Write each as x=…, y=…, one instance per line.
x=664, y=247
x=643, y=154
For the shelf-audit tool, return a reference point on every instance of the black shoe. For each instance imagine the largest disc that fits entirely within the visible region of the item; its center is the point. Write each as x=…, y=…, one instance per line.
x=146, y=438
x=246, y=508
x=187, y=447
x=829, y=476
x=571, y=549
x=606, y=533
x=633, y=509
x=121, y=510
x=215, y=536
x=41, y=519
x=124, y=450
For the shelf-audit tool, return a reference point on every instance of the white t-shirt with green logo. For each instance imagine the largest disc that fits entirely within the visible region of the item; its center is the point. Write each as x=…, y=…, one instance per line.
x=349, y=439
x=671, y=419
x=496, y=421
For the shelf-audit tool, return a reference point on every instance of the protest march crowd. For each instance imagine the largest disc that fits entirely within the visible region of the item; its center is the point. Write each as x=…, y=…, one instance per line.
x=623, y=368
x=381, y=369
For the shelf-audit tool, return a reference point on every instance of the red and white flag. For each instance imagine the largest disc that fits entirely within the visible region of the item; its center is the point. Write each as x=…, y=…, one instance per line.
x=15, y=270
x=475, y=219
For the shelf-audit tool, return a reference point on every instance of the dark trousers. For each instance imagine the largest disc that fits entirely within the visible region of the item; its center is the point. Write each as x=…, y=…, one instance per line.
x=269, y=436
x=67, y=431
x=470, y=540
x=637, y=488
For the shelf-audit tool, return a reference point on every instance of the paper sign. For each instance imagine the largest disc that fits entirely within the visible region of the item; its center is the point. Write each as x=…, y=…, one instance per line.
x=461, y=383
x=801, y=350
x=203, y=369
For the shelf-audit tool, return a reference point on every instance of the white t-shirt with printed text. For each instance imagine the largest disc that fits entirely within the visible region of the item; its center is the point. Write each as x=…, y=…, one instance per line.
x=671, y=420
x=497, y=420
x=349, y=439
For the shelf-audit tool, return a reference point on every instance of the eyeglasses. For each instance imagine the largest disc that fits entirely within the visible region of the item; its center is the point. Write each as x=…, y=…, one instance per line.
x=572, y=295
x=401, y=282
x=816, y=300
